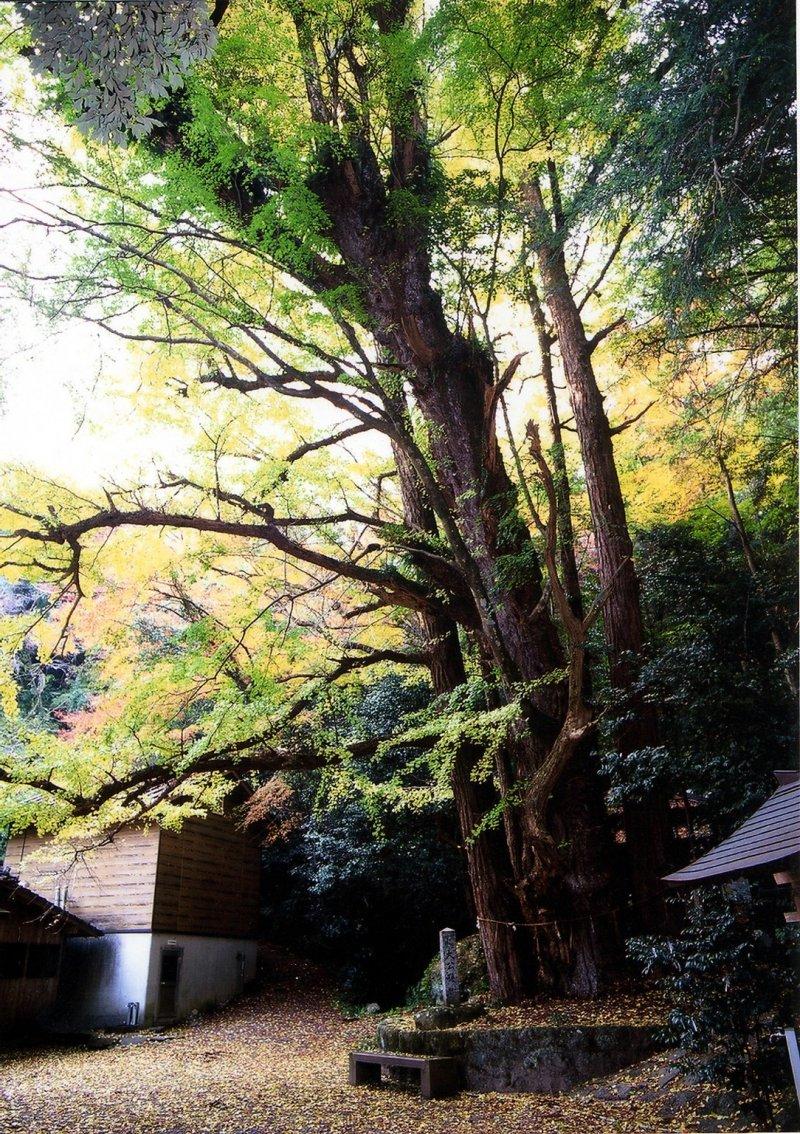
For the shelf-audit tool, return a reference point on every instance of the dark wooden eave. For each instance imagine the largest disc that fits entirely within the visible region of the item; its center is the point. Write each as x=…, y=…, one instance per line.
x=40, y=911
x=769, y=837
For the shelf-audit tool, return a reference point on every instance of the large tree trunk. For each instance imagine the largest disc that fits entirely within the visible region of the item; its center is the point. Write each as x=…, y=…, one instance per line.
x=580, y=826
x=521, y=644
x=647, y=824
x=519, y=639
x=508, y=959
x=488, y=866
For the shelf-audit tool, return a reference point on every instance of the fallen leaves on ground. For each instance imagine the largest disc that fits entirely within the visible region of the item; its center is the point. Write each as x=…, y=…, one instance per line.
x=276, y=1063
x=618, y=1006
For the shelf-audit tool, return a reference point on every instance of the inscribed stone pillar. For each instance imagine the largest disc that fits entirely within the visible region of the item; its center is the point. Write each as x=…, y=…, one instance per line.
x=451, y=994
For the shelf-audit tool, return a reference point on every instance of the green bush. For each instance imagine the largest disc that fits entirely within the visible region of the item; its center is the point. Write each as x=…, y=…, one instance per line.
x=730, y=978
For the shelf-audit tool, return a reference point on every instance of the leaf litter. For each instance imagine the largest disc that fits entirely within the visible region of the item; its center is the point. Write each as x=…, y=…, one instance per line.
x=275, y=1062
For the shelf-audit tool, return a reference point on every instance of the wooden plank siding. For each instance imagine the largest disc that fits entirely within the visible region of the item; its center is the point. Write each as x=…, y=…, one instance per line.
x=24, y=913
x=21, y=998
x=21, y=926
x=203, y=879
x=110, y=887
x=24, y=996
x=207, y=880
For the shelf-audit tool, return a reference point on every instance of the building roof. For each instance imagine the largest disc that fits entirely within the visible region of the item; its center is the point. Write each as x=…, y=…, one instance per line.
x=43, y=912
x=771, y=835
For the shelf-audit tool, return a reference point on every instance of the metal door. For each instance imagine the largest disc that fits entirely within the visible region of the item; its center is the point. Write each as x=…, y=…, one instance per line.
x=169, y=978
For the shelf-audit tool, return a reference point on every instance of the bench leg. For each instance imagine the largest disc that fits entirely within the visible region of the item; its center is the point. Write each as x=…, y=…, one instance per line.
x=363, y=1073
x=425, y=1085
x=436, y=1081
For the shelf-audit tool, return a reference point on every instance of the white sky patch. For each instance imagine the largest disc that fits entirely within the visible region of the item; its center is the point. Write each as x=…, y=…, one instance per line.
x=56, y=415
x=62, y=409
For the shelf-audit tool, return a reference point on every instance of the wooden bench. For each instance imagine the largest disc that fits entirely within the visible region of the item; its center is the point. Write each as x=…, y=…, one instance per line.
x=438, y=1074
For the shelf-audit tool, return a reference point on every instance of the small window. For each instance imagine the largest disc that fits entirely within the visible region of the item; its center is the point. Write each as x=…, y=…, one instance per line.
x=12, y=961
x=42, y=961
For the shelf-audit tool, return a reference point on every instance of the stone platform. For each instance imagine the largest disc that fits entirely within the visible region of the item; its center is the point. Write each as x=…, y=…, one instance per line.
x=535, y=1060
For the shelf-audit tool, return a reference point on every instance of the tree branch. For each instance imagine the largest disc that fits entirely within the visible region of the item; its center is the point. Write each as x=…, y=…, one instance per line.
x=630, y=420
x=389, y=583
x=599, y=336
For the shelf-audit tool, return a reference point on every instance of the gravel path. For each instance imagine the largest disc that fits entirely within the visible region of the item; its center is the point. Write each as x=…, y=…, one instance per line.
x=275, y=1063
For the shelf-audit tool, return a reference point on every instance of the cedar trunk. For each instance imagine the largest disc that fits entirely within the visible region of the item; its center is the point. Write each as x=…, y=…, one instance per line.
x=566, y=535
x=647, y=824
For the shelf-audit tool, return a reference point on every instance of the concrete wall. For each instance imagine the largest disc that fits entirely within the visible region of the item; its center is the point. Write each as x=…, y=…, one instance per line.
x=99, y=977
x=211, y=972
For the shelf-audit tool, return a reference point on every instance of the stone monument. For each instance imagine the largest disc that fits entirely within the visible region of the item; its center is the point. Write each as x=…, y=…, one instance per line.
x=448, y=955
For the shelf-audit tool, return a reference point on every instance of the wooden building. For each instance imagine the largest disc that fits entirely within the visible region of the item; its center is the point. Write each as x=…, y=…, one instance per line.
x=33, y=931
x=178, y=912
x=769, y=839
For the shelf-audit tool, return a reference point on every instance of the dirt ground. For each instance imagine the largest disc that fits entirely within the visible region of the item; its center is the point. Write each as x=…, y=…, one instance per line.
x=275, y=1063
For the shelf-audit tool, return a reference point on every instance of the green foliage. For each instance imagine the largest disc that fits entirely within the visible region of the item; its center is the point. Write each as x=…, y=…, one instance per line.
x=725, y=713
x=48, y=690
x=523, y=76
x=467, y=718
x=709, y=148
x=116, y=63
x=518, y=569
x=344, y=889
x=730, y=979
